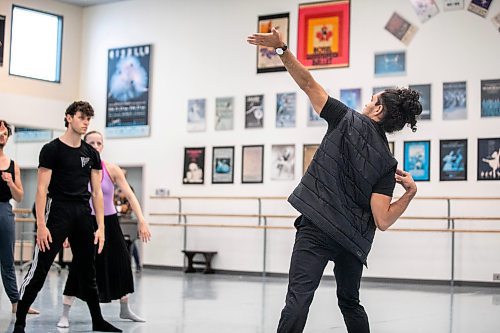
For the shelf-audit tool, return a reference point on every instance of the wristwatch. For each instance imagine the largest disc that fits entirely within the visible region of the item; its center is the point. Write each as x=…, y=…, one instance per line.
x=281, y=50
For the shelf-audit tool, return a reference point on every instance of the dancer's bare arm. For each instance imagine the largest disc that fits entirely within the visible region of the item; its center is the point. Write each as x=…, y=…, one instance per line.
x=97, y=202
x=119, y=179
x=43, y=236
x=299, y=73
x=386, y=213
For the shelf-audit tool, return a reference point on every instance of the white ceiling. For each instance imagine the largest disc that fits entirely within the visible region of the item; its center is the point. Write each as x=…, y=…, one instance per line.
x=87, y=3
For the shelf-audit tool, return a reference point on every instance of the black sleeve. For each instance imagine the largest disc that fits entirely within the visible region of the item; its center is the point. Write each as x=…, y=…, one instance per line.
x=333, y=111
x=96, y=165
x=47, y=158
x=386, y=184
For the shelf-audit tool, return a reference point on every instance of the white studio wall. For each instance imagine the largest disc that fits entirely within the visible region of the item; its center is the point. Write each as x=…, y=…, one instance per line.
x=199, y=50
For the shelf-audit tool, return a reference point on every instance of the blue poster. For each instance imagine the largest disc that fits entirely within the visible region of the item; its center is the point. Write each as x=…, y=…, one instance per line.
x=490, y=98
x=286, y=107
x=351, y=98
x=390, y=63
x=453, y=160
x=417, y=159
x=454, y=100
x=128, y=91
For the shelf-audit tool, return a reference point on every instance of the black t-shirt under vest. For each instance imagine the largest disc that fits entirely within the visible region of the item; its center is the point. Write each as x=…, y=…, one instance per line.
x=352, y=162
x=5, y=194
x=71, y=168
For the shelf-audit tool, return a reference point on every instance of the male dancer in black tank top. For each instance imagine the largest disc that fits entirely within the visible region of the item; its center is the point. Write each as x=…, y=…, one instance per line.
x=66, y=166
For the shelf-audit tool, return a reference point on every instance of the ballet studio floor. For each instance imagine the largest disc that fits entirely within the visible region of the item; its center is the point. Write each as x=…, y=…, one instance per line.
x=172, y=301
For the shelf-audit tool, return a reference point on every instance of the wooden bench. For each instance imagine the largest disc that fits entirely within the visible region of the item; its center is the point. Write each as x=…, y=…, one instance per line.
x=208, y=255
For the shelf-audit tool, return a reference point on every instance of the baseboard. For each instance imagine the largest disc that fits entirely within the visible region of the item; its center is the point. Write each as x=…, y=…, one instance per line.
x=387, y=280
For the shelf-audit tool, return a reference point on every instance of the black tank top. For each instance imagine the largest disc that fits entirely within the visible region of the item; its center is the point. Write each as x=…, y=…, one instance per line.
x=5, y=194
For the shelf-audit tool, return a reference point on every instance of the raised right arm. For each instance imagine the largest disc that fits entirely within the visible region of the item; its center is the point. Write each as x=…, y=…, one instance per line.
x=316, y=93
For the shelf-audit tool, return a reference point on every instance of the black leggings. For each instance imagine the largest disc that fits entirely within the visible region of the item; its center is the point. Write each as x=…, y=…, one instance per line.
x=311, y=252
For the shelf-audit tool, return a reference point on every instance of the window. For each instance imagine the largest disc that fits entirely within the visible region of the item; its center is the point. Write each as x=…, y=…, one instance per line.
x=35, y=47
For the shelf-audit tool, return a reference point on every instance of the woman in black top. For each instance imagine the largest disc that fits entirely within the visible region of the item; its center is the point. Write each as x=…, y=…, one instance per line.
x=10, y=188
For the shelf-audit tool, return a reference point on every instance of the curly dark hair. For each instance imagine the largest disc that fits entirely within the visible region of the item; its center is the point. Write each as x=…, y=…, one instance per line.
x=83, y=107
x=9, y=128
x=401, y=107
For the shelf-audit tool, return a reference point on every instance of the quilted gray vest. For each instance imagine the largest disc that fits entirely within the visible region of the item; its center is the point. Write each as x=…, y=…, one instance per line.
x=336, y=189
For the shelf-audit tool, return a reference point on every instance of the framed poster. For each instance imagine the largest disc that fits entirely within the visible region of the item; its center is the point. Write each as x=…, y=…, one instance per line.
x=490, y=98
x=377, y=90
x=286, y=109
x=391, y=147
x=307, y=156
x=2, y=37
x=25, y=134
x=313, y=119
x=127, y=110
x=401, y=28
x=351, y=98
x=453, y=4
x=323, y=34
x=488, y=159
x=283, y=162
x=479, y=7
x=194, y=166
x=390, y=63
x=417, y=159
x=424, y=91
x=425, y=9
x=254, y=111
x=267, y=59
x=452, y=160
x=252, y=164
x=223, y=165
x=196, y=115
x=454, y=100
x=224, y=113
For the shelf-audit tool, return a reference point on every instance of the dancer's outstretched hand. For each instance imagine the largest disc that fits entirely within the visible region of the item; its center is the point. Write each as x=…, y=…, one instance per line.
x=270, y=39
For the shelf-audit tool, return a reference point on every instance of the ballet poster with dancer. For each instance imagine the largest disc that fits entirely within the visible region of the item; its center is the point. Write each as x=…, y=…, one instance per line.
x=223, y=165
x=283, y=162
x=351, y=98
x=286, y=108
x=425, y=9
x=490, y=98
x=417, y=159
x=390, y=63
x=424, y=90
x=454, y=100
x=313, y=119
x=194, y=166
x=323, y=36
x=254, y=111
x=488, y=159
x=127, y=110
x=267, y=59
x=224, y=113
x=453, y=160
x=2, y=37
x=197, y=116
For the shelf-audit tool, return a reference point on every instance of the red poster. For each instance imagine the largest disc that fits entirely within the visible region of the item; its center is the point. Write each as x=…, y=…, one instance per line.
x=323, y=40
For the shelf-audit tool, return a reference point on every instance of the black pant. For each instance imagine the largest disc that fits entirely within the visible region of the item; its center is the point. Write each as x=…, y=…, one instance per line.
x=72, y=220
x=311, y=252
